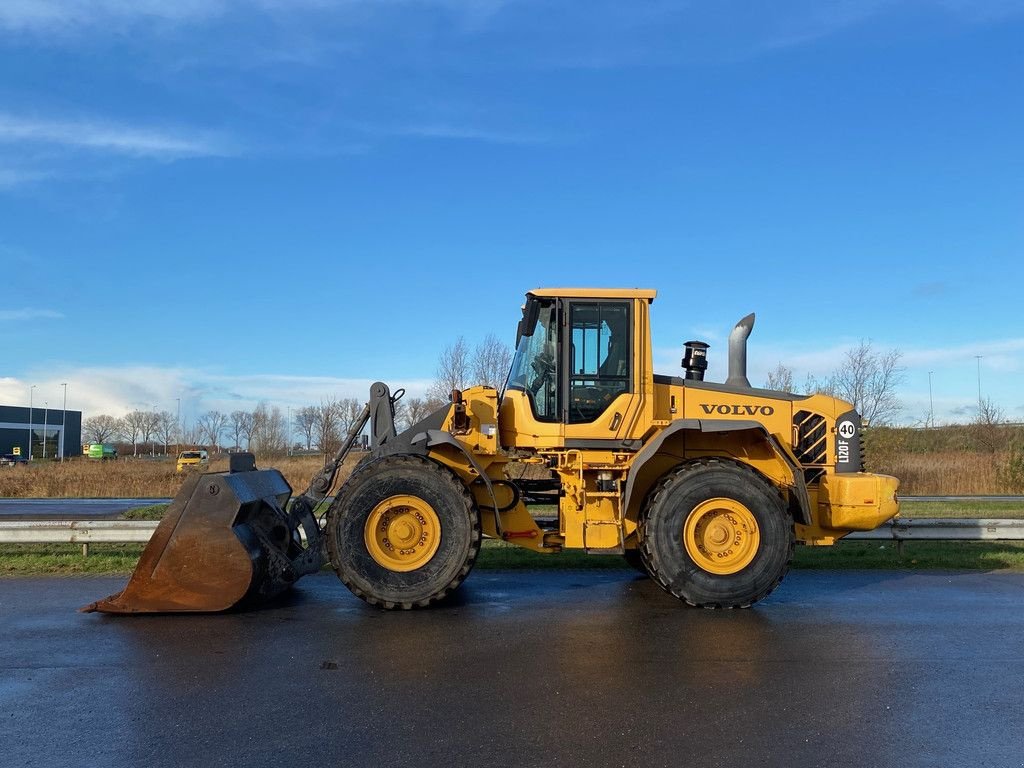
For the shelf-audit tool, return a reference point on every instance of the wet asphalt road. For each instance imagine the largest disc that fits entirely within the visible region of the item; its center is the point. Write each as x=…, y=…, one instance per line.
x=70, y=509
x=525, y=669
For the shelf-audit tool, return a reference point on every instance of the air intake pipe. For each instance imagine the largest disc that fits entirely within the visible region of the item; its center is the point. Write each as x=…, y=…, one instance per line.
x=738, y=352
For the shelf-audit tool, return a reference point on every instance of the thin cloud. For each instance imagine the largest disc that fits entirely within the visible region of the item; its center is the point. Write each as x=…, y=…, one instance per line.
x=116, y=390
x=454, y=132
x=43, y=15
x=71, y=15
x=29, y=314
x=108, y=137
x=13, y=177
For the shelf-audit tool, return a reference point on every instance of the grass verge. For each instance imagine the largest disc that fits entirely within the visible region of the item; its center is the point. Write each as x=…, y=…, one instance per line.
x=67, y=559
x=975, y=508
x=152, y=512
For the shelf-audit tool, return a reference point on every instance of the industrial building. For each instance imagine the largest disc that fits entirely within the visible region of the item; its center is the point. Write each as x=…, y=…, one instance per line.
x=55, y=433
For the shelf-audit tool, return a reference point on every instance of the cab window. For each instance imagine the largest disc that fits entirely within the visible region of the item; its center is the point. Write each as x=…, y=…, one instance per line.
x=599, y=357
x=535, y=365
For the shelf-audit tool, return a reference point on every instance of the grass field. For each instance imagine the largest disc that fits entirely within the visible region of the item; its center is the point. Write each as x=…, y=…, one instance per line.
x=937, y=473
x=134, y=478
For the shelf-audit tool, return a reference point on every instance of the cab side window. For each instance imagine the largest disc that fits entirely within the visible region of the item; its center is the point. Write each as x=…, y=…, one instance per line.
x=599, y=358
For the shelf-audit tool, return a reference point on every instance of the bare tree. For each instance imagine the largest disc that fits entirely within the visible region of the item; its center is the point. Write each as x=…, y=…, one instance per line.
x=132, y=425
x=869, y=379
x=349, y=411
x=417, y=409
x=491, y=361
x=780, y=379
x=328, y=416
x=269, y=430
x=211, y=424
x=988, y=430
x=452, y=370
x=241, y=426
x=190, y=435
x=814, y=385
x=100, y=429
x=150, y=426
x=166, y=428
x=306, y=420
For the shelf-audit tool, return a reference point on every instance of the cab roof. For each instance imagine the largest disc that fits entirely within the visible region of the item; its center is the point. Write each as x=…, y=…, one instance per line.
x=595, y=293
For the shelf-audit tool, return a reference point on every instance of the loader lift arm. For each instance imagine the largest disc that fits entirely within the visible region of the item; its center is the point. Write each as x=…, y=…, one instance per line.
x=381, y=407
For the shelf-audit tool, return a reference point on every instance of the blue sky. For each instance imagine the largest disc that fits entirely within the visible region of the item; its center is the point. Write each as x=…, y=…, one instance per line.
x=231, y=201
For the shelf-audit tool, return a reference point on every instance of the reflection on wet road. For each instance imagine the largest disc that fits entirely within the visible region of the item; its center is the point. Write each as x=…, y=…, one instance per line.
x=70, y=509
x=525, y=668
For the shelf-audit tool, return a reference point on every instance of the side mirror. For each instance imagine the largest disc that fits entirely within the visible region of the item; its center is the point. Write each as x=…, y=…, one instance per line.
x=531, y=311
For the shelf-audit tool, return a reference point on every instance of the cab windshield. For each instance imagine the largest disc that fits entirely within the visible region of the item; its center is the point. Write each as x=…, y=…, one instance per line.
x=535, y=365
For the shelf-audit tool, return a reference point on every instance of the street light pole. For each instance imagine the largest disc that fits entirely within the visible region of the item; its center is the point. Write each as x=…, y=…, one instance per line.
x=978, y=358
x=177, y=429
x=152, y=450
x=46, y=413
x=931, y=402
x=63, y=423
x=31, y=390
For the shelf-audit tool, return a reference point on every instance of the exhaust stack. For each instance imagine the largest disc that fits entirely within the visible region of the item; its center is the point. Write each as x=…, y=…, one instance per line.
x=738, y=352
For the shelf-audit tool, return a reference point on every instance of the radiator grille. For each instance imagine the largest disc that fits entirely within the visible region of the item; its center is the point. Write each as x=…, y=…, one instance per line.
x=811, y=444
x=863, y=451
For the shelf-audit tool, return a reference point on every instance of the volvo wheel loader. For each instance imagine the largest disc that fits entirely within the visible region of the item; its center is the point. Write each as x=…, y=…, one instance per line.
x=705, y=486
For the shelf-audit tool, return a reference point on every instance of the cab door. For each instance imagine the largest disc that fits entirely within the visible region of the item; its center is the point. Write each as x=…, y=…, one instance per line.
x=599, y=397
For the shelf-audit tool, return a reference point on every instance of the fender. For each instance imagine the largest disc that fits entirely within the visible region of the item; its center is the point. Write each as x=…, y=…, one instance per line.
x=802, y=514
x=436, y=437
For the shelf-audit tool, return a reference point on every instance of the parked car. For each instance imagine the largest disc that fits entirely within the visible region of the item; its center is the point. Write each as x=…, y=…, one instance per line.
x=192, y=460
x=12, y=460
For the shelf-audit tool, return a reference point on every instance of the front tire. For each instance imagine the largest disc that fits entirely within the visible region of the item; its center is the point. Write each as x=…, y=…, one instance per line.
x=403, y=532
x=716, y=534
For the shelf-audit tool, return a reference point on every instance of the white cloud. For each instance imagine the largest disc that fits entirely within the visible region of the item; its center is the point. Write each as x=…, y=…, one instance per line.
x=64, y=14
x=108, y=137
x=451, y=130
x=14, y=177
x=69, y=15
x=115, y=390
x=29, y=313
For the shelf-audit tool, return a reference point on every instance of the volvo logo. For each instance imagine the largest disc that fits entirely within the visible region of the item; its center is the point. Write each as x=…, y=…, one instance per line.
x=738, y=410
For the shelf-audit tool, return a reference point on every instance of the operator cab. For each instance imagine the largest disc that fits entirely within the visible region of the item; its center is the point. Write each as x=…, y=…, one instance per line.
x=580, y=357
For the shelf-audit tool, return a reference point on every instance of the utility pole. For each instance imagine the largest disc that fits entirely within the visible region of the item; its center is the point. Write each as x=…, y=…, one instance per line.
x=177, y=429
x=31, y=390
x=931, y=402
x=63, y=423
x=978, y=358
x=46, y=413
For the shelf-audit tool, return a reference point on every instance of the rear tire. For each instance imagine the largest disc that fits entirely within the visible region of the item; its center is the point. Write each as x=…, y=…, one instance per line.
x=403, y=532
x=716, y=534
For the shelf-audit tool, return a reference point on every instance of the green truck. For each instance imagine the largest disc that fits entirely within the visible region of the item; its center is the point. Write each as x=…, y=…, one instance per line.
x=101, y=451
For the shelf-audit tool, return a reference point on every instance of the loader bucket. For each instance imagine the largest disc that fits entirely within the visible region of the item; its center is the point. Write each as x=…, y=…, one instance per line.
x=226, y=539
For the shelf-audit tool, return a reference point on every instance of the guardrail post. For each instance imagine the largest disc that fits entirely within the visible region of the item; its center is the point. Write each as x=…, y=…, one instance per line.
x=85, y=550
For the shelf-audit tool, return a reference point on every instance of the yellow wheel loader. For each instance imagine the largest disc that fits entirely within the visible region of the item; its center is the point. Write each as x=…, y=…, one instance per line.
x=706, y=487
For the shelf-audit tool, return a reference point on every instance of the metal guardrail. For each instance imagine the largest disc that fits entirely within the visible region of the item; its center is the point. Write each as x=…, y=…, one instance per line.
x=86, y=532
x=945, y=529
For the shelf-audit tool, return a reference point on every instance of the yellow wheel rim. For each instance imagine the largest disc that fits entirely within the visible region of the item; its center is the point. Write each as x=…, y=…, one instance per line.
x=721, y=536
x=402, y=533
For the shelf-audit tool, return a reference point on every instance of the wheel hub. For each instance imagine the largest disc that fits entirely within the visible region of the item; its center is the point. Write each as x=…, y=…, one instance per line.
x=721, y=536
x=402, y=533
